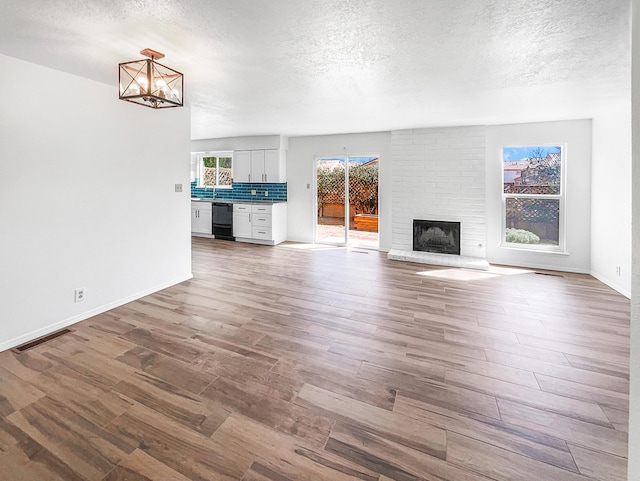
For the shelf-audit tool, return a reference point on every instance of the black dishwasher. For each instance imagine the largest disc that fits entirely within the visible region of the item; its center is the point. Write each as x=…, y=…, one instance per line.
x=222, y=220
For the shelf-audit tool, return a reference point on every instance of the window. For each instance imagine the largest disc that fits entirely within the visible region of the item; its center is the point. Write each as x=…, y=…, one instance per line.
x=214, y=169
x=533, y=197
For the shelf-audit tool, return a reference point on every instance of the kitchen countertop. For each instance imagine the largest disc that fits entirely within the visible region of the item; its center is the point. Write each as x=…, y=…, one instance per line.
x=233, y=201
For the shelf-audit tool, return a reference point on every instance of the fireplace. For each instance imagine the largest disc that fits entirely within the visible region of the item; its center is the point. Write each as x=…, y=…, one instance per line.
x=436, y=236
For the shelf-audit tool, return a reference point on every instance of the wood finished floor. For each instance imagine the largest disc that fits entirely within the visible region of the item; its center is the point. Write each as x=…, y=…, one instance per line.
x=285, y=364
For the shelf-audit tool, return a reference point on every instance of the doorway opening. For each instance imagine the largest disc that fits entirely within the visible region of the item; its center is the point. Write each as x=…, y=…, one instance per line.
x=347, y=200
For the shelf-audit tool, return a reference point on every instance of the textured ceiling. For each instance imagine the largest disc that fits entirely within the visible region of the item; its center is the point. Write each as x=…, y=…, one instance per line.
x=296, y=67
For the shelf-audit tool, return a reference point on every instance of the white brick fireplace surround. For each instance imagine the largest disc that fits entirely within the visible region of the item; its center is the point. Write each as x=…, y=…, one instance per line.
x=439, y=174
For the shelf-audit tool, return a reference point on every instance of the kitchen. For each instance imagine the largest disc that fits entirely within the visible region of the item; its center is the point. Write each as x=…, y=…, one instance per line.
x=239, y=195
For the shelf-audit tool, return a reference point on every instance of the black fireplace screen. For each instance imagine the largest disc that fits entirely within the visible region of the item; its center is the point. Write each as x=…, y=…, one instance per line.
x=436, y=236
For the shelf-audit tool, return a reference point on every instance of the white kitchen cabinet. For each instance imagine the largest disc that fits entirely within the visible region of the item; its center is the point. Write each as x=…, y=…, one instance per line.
x=259, y=166
x=261, y=222
x=242, y=221
x=275, y=168
x=201, y=218
x=241, y=166
x=267, y=223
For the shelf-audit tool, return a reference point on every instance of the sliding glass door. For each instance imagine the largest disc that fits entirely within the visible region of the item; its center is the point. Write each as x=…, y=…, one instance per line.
x=347, y=200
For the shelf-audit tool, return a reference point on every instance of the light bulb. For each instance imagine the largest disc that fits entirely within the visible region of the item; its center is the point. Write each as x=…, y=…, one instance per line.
x=142, y=81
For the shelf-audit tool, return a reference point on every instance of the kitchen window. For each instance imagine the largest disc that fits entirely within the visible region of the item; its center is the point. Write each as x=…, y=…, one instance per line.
x=214, y=169
x=533, y=197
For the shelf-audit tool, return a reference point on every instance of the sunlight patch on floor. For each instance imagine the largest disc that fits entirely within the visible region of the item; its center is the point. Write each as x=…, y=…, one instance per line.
x=508, y=271
x=308, y=247
x=458, y=274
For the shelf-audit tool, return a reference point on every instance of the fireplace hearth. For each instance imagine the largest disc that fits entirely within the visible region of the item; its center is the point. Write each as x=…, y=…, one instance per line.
x=436, y=236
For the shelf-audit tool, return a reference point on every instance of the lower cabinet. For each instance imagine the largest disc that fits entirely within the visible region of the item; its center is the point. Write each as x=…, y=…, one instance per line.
x=201, y=218
x=242, y=220
x=260, y=223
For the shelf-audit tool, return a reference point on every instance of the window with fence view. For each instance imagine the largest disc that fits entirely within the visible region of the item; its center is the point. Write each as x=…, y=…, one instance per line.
x=533, y=196
x=216, y=170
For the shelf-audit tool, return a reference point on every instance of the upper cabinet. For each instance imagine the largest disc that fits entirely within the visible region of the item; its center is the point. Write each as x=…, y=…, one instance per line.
x=259, y=166
x=275, y=168
x=241, y=166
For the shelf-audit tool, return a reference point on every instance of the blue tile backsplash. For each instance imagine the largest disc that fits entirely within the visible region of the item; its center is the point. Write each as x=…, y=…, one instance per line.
x=241, y=191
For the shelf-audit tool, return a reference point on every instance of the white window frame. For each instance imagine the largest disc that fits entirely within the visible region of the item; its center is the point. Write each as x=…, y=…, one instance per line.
x=217, y=153
x=561, y=247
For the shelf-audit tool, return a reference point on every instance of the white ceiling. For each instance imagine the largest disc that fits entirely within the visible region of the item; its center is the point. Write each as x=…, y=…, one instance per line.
x=303, y=67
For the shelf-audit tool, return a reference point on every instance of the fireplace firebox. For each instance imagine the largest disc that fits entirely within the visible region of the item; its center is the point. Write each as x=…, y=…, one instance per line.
x=436, y=236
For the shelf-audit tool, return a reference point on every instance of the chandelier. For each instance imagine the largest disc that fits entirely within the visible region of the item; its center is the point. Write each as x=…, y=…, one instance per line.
x=149, y=83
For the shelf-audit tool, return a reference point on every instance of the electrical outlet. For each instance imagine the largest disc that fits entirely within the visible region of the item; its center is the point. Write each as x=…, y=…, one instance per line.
x=253, y=192
x=618, y=269
x=80, y=294
x=178, y=187
x=266, y=193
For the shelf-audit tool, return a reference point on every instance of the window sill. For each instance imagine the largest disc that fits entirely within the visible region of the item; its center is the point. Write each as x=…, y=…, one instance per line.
x=538, y=250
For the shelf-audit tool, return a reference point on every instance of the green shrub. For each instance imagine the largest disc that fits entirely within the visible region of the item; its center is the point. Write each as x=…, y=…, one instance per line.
x=521, y=236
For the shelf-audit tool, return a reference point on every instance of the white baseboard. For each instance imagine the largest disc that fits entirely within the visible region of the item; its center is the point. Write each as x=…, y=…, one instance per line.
x=30, y=336
x=619, y=289
x=604, y=280
x=299, y=240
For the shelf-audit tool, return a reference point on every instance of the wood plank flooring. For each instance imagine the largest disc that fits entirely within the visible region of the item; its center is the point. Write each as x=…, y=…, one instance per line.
x=286, y=364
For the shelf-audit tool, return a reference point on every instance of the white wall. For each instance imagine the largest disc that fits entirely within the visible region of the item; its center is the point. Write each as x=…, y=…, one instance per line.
x=611, y=198
x=240, y=143
x=301, y=177
x=576, y=134
x=86, y=199
x=438, y=174
x=634, y=395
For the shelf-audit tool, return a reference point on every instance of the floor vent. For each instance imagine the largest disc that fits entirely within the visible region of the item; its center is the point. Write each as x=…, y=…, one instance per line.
x=40, y=340
x=360, y=252
x=549, y=274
